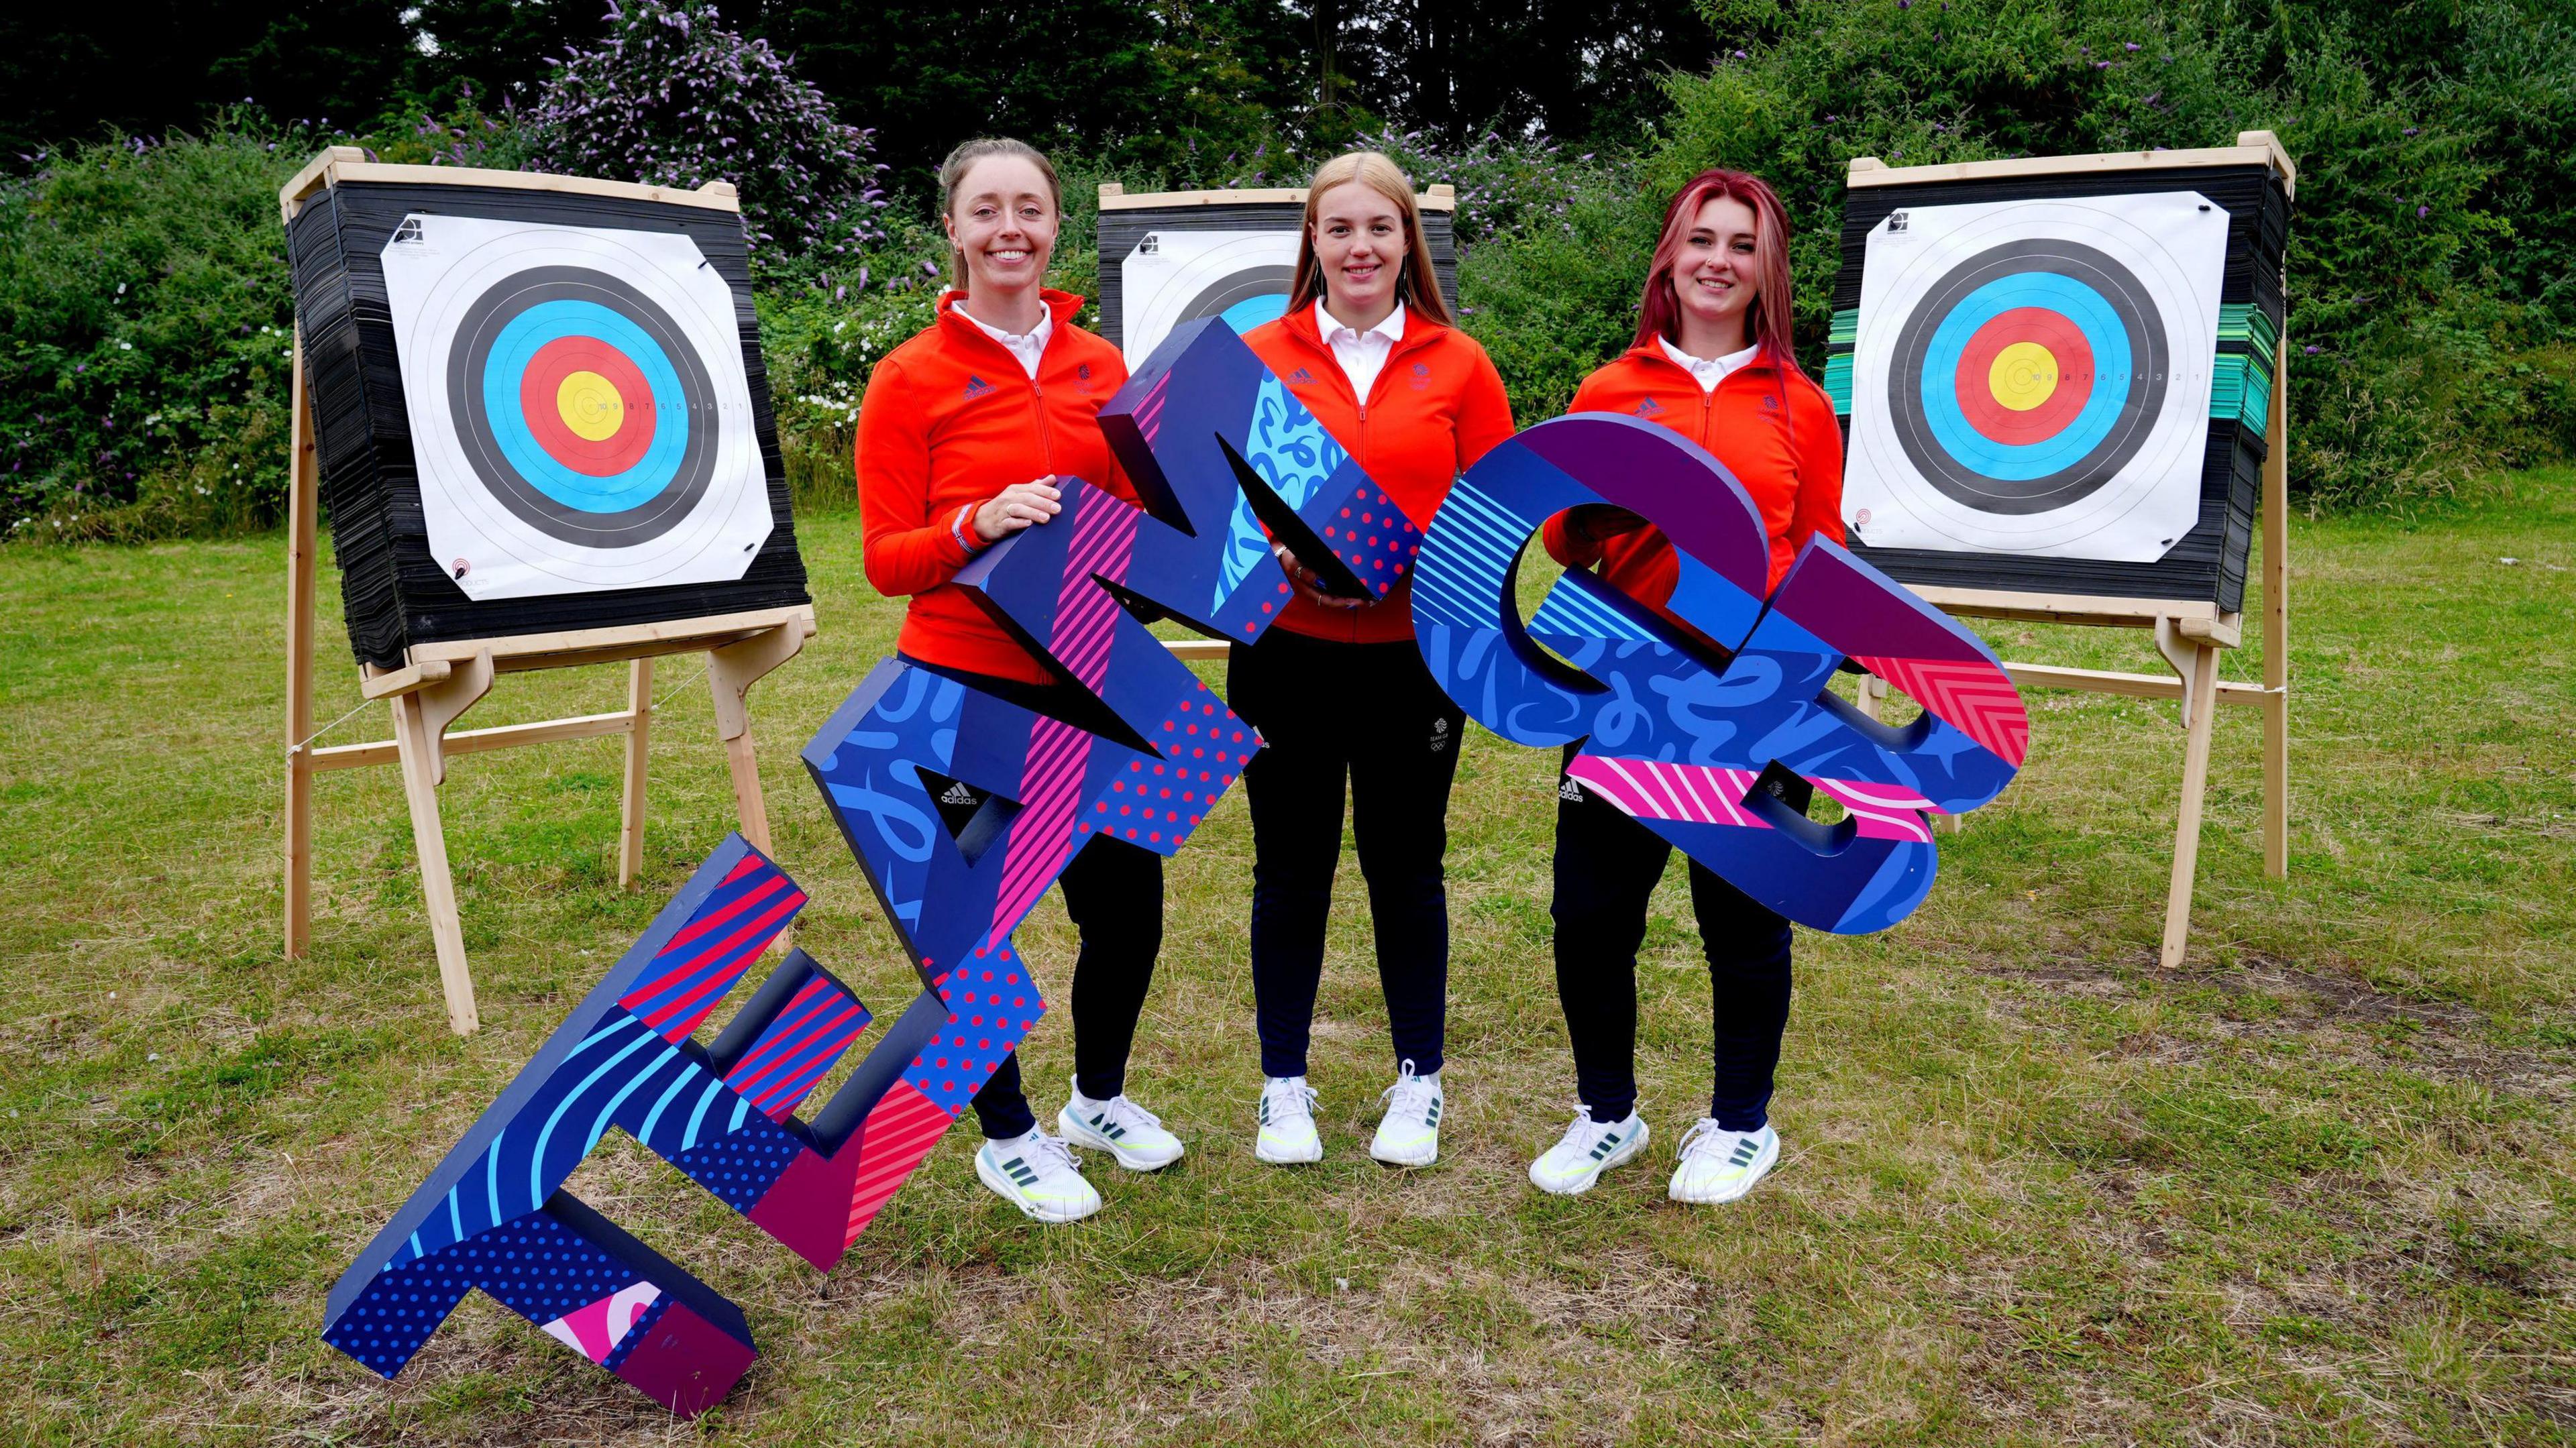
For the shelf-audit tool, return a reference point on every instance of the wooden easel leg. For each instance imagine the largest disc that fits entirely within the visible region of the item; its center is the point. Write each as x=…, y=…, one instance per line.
x=747, y=801
x=437, y=887
x=2202, y=700
x=2276, y=625
x=731, y=671
x=630, y=834
x=303, y=486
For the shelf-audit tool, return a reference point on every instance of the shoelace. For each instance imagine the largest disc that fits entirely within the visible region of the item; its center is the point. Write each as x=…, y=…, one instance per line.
x=1128, y=1113
x=1054, y=1148
x=1289, y=1103
x=1706, y=1135
x=1582, y=1132
x=1409, y=1093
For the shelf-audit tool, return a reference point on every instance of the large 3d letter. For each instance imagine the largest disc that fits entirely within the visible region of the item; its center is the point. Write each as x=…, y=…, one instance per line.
x=1709, y=747
x=494, y=1214
x=964, y=807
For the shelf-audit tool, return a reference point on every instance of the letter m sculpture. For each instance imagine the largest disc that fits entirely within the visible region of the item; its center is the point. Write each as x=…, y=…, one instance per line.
x=1127, y=743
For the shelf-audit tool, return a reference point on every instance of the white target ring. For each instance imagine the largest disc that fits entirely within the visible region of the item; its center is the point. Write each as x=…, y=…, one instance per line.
x=1172, y=277
x=580, y=414
x=2033, y=377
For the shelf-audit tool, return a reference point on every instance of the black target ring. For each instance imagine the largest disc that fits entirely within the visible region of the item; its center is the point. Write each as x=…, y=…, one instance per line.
x=1214, y=299
x=470, y=358
x=2150, y=356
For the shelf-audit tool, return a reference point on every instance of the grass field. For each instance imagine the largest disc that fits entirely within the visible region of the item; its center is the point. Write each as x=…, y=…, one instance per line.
x=2311, y=1188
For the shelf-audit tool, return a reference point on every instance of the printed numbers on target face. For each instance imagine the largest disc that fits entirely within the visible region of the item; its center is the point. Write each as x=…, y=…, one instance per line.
x=1716, y=749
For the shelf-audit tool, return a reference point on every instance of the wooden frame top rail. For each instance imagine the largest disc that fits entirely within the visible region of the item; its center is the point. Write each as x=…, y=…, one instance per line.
x=2197, y=616
x=349, y=163
x=2252, y=148
x=1114, y=197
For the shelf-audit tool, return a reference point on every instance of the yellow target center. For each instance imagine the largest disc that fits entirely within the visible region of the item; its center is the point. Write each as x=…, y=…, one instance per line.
x=592, y=409
x=2023, y=376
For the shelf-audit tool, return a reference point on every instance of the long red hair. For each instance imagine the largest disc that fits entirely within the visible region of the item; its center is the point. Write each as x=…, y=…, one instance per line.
x=1659, y=311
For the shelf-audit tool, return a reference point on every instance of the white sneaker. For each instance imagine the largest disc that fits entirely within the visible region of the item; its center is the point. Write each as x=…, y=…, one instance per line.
x=1588, y=1149
x=1120, y=1127
x=1409, y=1133
x=1037, y=1174
x=1719, y=1165
x=1288, y=1123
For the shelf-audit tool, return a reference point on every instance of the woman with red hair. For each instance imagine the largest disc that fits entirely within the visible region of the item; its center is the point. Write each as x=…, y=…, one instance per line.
x=1712, y=361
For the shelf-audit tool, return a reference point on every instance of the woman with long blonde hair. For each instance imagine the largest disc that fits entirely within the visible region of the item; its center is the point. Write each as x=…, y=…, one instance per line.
x=1344, y=703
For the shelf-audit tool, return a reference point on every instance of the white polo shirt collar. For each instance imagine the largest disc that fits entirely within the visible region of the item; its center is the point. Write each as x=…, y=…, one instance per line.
x=1027, y=346
x=1362, y=354
x=1709, y=371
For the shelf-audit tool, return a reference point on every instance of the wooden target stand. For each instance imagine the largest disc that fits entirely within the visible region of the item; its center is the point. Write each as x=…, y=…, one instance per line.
x=440, y=681
x=2190, y=635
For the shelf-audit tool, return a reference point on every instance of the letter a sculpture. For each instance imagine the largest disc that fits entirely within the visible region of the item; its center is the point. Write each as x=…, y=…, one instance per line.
x=1130, y=744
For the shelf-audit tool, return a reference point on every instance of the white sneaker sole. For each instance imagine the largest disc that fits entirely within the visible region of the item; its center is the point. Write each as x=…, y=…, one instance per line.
x=1393, y=1156
x=1736, y=1189
x=1311, y=1150
x=1002, y=1186
x=1078, y=1131
x=1584, y=1183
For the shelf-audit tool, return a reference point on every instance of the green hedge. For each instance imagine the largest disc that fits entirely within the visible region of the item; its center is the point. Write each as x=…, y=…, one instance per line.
x=146, y=323
x=144, y=307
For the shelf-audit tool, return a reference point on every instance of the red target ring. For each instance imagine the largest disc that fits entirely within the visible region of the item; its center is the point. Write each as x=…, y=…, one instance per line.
x=2066, y=345
x=540, y=393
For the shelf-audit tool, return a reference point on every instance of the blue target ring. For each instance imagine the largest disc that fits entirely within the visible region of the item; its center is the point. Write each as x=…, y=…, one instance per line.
x=1251, y=312
x=2090, y=312
x=507, y=364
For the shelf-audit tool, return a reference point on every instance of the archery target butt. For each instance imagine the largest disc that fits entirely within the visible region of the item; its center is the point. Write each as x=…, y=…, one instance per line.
x=536, y=412
x=2056, y=384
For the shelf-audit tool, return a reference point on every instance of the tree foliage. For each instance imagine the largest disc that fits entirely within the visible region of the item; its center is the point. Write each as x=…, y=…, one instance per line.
x=670, y=97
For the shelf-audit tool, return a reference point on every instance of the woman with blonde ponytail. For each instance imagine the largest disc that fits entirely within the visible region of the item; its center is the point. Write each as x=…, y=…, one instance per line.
x=964, y=434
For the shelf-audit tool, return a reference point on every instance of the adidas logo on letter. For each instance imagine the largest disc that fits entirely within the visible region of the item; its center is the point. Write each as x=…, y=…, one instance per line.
x=958, y=793
x=977, y=386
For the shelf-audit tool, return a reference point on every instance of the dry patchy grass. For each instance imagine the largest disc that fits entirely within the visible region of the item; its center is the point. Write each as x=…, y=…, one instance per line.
x=2310, y=1189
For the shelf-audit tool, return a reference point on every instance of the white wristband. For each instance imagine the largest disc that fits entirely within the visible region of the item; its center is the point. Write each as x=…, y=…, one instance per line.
x=957, y=530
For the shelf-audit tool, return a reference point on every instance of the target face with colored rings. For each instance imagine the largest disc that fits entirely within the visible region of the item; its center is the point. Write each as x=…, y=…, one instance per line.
x=2034, y=376
x=2029, y=376
x=1178, y=276
x=581, y=412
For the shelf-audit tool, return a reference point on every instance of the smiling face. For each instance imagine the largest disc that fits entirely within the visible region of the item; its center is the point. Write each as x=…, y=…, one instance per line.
x=1359, y=243
x=1002, y=218
x=1715, y=274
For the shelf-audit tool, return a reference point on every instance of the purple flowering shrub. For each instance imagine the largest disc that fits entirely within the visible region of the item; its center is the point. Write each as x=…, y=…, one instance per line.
x=1505, y=188
x=672, y=98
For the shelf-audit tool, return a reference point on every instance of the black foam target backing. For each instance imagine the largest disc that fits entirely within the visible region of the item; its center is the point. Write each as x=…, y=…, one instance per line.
x=395, y=592
x=2208, y=560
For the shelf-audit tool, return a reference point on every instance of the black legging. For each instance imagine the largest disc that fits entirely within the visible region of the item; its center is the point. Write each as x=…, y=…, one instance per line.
x=1114, y=892
x=1371, y=714
x=1606, y=866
